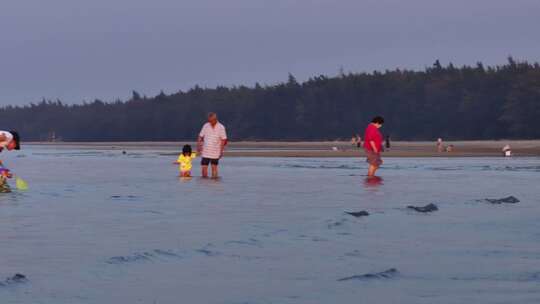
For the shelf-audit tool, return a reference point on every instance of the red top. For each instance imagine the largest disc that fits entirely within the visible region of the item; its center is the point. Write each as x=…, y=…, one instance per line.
x=373, y=134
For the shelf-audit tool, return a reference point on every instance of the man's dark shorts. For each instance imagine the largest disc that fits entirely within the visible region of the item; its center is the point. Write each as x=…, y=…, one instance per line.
x=373, y=158
x=205, y=161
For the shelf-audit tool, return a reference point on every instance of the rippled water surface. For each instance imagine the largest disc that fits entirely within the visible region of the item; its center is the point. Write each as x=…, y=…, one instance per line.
x=102, y=227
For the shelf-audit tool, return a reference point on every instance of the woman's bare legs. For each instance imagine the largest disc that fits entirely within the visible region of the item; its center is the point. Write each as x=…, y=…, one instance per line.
x=372, y=169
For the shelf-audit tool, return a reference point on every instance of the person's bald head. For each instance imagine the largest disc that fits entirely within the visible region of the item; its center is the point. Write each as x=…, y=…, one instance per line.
x=212, y=118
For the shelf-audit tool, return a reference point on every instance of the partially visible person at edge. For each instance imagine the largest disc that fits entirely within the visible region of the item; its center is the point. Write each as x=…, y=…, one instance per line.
x=211, y=144
x=373, y=145
x=9, y=141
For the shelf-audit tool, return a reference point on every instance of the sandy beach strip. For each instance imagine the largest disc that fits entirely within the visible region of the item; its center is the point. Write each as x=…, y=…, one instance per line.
x=318, y=149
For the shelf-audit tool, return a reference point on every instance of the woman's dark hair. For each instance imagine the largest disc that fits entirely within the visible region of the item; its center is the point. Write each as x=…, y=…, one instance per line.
x=186, y=149
x=378, y=120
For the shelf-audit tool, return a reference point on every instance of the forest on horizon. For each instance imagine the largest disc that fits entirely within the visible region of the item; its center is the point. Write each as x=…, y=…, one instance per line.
x=456, y=103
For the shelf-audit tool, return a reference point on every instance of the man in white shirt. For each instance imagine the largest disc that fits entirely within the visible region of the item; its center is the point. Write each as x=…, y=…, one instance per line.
x=9, y=141
x=211, y=144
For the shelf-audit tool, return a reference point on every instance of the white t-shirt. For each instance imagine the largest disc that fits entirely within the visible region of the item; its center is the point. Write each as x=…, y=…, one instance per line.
x=212, y=137
x=9, y=138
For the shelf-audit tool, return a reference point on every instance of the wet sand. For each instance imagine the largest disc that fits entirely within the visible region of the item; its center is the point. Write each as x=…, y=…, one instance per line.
x=321, y=149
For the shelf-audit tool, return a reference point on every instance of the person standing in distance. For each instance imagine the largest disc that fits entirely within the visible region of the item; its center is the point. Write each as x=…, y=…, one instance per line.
x=211, y=144
x=373, y=145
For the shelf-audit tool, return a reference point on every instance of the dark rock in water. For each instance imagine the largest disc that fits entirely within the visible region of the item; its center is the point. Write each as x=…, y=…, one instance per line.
x=358, y=213
x=15, y=279
x=505, y=200
x=425, y=209
x=387, y=274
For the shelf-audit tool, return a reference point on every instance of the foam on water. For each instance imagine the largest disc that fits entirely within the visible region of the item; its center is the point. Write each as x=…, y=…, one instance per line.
x=102, y=227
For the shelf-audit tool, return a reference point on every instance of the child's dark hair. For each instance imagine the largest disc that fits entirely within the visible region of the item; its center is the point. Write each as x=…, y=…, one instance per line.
x=186, y=150
x=16, y=139
x=378, y=120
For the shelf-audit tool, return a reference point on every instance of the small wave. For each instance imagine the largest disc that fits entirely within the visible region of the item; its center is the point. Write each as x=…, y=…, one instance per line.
x=387, y=274
x=331, y=224
x=124, y=197
x=519, y=168
x=70, y=154
x=207, y=251
x=446, y=168
x=143, y=256
x=518, y=277
x=305, y=166
x=485, y=168
x=152, y=212
x=249, y=242
x=355, y=253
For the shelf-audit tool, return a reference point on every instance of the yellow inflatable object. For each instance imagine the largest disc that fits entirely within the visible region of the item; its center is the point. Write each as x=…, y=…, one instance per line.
x=21, y=184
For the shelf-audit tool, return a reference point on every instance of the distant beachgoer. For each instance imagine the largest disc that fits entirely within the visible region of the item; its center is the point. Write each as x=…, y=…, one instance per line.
x=353, y=141
x=387, y=142
x=211, y=144
x=9, y=140
x=358, y=141
x=450, y=148
x=440, y=146
x=373, y=145
x=184, y=161
x=507, y=151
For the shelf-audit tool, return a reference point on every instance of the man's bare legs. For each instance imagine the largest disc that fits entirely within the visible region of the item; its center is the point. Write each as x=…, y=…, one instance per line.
x=214, y=171
x=204, y=171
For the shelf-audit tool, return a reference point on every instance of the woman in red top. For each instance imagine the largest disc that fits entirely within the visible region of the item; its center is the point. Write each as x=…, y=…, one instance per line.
x=373, y=145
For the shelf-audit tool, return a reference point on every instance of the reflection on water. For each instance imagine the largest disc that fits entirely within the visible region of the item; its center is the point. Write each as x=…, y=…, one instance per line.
x=373, y=181
x=94, y=228
x=185, y=178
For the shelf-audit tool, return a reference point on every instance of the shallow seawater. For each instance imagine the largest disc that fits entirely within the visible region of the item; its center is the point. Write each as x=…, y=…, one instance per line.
x=102, y=227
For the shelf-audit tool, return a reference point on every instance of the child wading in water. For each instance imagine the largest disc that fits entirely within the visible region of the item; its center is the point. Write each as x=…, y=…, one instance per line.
x=184, y=160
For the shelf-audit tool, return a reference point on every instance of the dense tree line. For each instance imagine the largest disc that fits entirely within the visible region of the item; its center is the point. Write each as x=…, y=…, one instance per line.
x=469, y=102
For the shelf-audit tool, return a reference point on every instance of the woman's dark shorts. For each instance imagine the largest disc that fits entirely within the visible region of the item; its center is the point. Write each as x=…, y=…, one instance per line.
x=205, y=161
x=373, y=158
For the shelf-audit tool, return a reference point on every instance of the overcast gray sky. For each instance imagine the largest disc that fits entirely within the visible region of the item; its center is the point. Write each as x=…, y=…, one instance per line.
x=80, y=50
